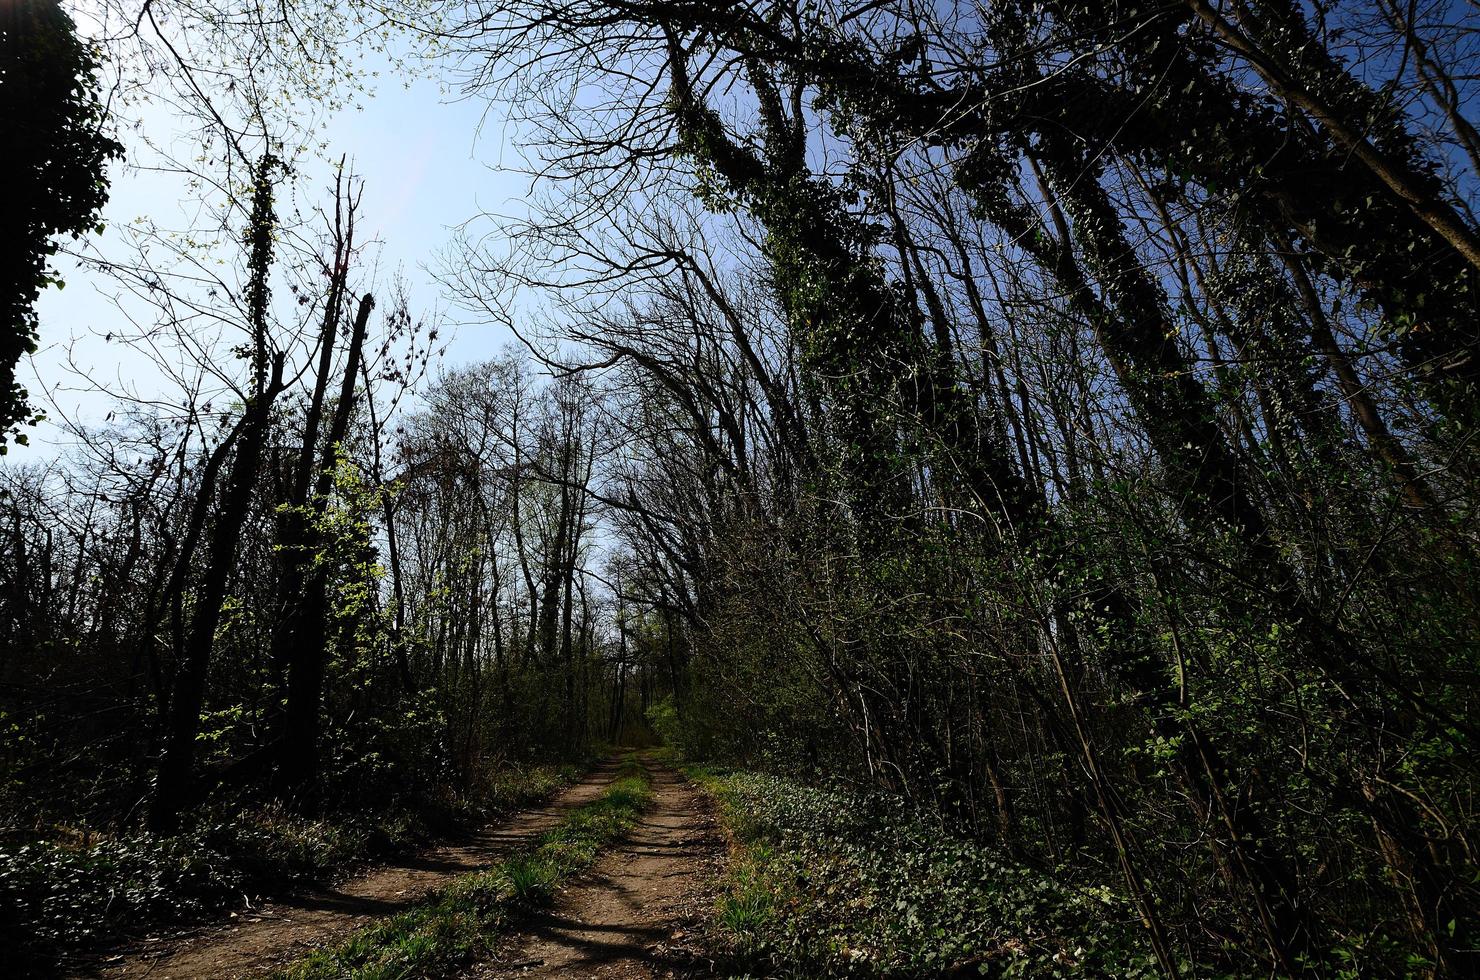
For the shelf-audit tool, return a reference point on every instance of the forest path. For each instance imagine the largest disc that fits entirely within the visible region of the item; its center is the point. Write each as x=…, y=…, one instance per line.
x=634, y=915
x=256, y=940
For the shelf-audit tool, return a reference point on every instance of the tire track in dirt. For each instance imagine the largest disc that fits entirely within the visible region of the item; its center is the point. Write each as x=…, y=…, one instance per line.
x=256, y=940
x=636, y=914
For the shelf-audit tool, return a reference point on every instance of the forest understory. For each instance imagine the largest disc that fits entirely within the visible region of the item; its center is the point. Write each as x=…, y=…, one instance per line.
x=892, y=489
x=695, y=873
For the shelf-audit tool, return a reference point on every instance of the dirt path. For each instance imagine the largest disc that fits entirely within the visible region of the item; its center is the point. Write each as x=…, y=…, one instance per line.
x=258, y=939
x=634, y=915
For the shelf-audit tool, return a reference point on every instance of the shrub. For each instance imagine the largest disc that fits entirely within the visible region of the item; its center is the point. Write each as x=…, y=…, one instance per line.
x=62, y=895
x=835, y=883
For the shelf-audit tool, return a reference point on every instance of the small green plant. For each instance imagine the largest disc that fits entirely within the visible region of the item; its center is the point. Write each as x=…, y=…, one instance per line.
x=747, y=906
x=529, y=878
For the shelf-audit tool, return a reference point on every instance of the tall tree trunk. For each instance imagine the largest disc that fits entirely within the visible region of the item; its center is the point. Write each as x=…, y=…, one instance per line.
x=173, y=785
x=306, y=629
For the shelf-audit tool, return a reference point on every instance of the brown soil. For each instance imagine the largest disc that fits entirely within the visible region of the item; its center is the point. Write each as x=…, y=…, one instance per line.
x=256, y=940
x=639, y=912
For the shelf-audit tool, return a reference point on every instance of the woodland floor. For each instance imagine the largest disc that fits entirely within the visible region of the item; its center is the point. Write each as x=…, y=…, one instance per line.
x=634, y=915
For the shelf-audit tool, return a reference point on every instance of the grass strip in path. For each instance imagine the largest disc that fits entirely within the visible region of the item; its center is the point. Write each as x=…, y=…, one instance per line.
x=460, y=922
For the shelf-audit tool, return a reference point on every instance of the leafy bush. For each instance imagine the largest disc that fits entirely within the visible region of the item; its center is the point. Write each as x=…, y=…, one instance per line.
x=272, y=846
x=508, y=788
x=61, y=895
x=662, y=718
x=54, y=896
x=836, y=883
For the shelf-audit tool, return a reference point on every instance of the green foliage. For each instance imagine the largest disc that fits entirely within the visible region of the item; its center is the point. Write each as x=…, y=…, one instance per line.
x=748, y=906
x=663, y=718
x=53, y=895
x=837, y=883
x=382, y=743
x=52, y=171
x=529, y=877
x=60, y=895
x=462, y=921
x=433, y=939
x=67, y=894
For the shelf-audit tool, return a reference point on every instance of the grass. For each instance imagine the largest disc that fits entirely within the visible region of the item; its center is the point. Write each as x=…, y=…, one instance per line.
x=460, y=922
x=834, y=883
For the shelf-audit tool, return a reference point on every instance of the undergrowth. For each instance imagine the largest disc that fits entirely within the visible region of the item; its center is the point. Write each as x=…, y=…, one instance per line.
x=826, y=883
x=63, y=891
x=461, y=922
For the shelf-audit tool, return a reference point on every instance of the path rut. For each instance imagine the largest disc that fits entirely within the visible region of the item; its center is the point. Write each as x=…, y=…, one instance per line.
x=257, y=940
x=634, y=916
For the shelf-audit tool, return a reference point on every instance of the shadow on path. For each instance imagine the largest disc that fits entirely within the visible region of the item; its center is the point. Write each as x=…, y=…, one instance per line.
x=629, y=916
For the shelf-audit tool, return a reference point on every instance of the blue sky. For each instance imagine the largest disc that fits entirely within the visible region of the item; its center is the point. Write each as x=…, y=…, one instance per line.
x=429, y=161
